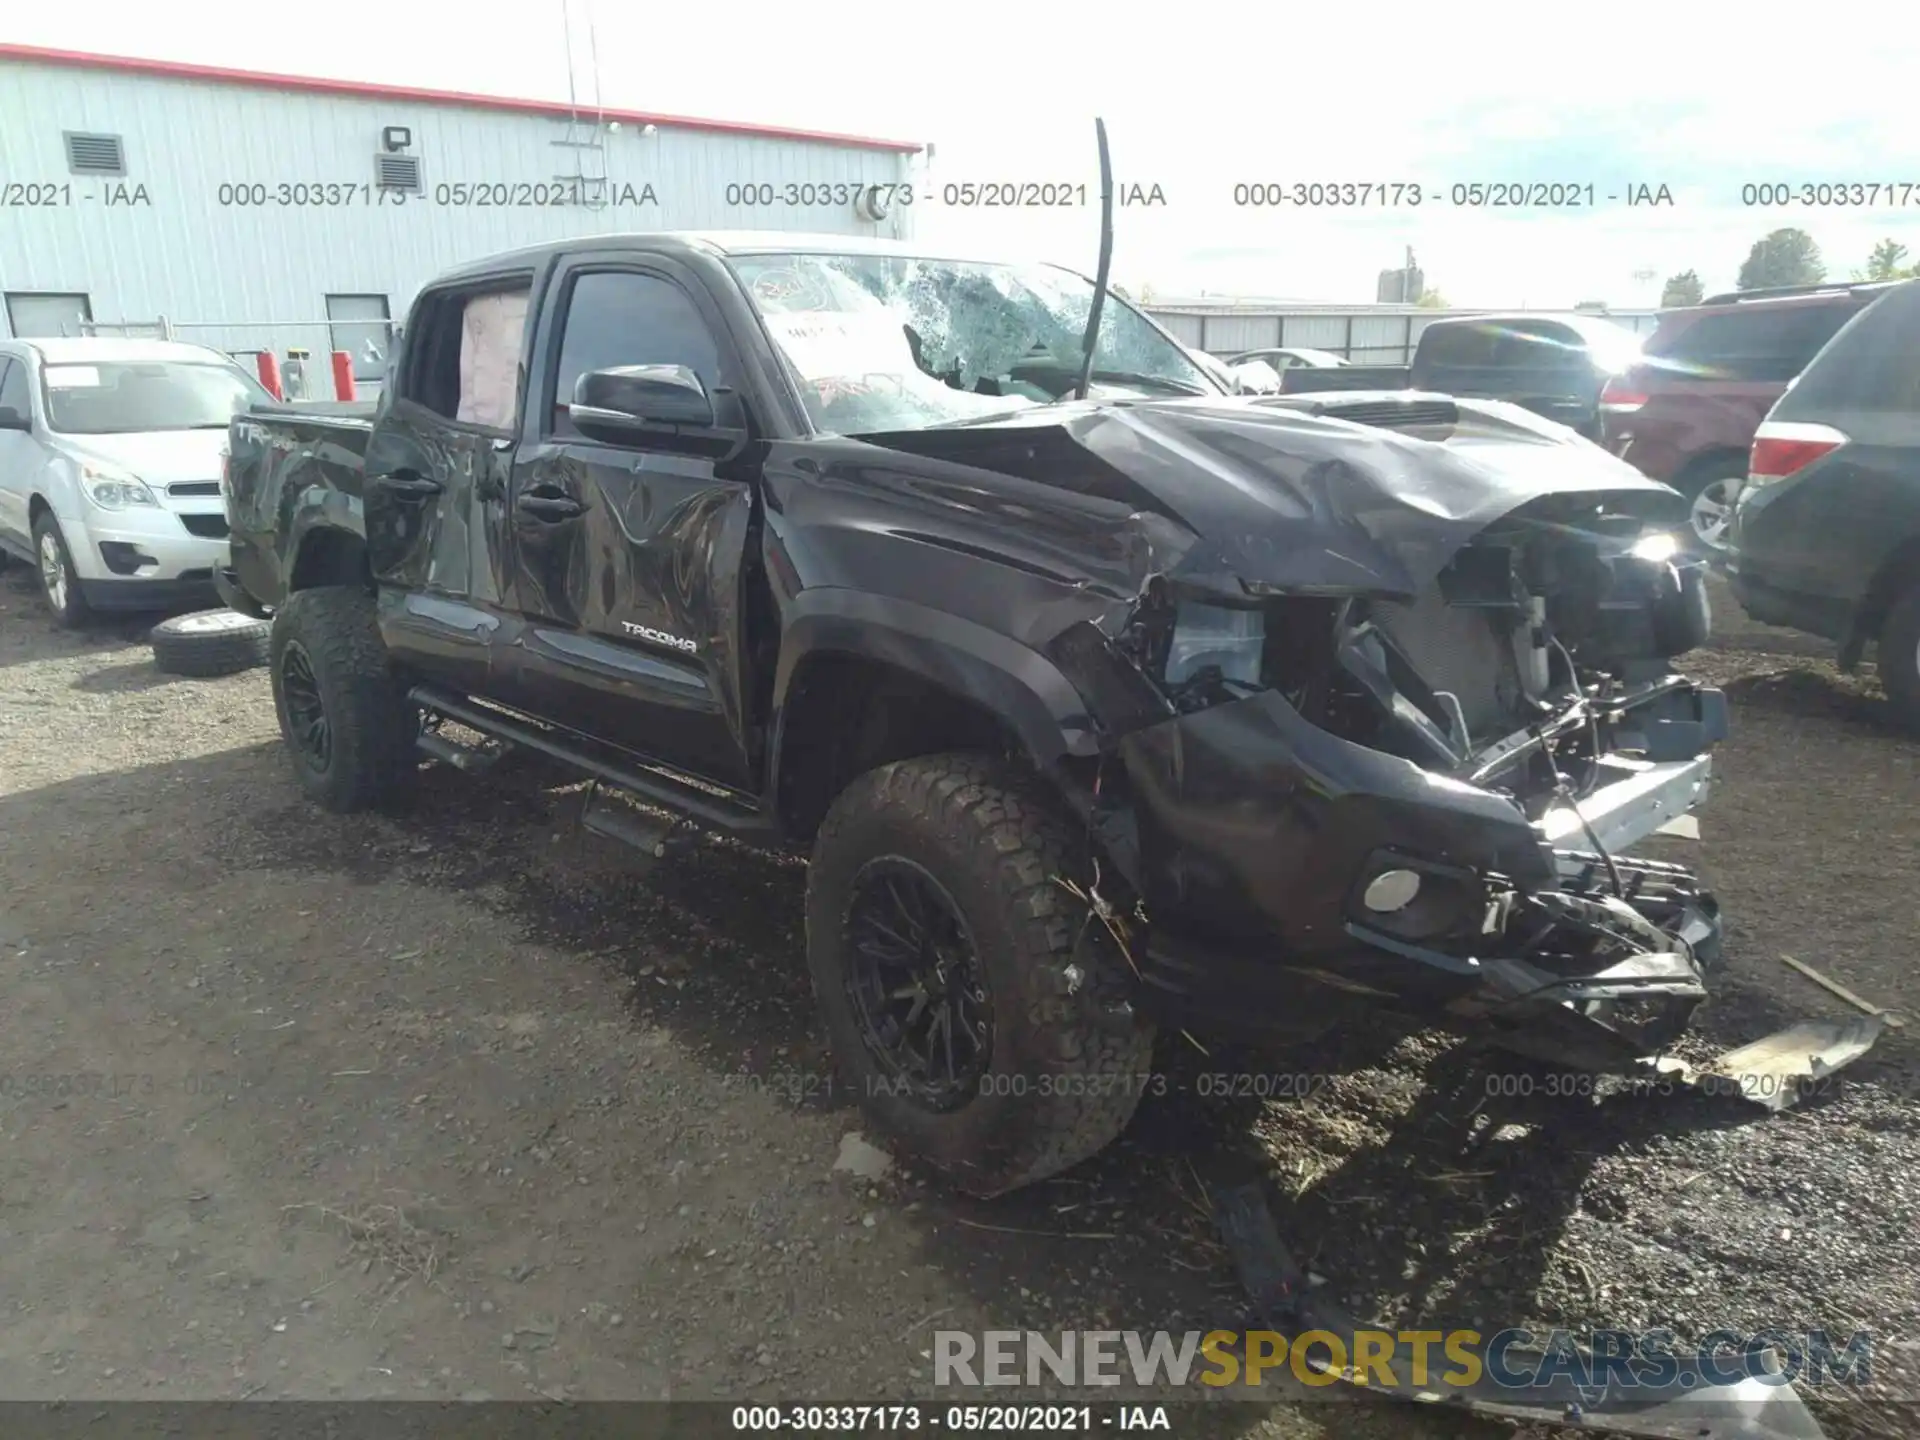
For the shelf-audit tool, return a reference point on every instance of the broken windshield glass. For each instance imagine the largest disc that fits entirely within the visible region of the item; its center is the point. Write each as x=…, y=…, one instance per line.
x=886, y=342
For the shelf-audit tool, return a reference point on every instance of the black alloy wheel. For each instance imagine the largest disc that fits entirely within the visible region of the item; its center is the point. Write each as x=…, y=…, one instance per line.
x=916, y=983
x=309, y=731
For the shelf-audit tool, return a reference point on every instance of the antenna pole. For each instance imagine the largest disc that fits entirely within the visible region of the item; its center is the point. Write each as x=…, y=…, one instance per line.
x=566, y=31
x=1092, y=340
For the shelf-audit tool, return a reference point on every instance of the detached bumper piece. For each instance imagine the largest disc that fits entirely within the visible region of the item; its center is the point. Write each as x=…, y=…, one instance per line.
x=1752, y=1409
x=1593, y=977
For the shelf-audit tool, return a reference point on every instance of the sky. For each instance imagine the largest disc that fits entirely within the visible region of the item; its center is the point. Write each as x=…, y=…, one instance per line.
x=1703, y=98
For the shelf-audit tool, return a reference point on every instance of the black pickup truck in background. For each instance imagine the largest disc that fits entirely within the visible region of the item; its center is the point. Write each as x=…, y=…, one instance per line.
x=1157, y=706
x=1553, y=365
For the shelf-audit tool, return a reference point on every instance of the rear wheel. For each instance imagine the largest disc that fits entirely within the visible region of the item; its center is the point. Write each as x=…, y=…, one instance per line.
x=1898, y=656
x=344, y=715
x=59, y=586
x=978, y=1012
x=1710, y=496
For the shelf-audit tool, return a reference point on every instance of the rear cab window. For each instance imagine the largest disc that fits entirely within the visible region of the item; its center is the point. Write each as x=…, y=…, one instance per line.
x=464, y=352
x=1502, y=344
x=1455, y=345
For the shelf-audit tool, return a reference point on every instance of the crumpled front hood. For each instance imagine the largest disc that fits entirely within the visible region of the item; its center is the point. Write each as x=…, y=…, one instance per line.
x=1305, y=503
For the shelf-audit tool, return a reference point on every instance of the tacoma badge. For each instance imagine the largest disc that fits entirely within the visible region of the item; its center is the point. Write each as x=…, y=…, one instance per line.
x=660, y=637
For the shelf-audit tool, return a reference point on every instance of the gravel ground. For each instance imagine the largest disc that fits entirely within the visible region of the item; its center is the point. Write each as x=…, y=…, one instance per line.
x=464, y=1102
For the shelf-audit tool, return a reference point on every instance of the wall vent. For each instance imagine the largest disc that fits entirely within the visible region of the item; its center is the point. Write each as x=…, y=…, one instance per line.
x=95, y=154
x=397, y=172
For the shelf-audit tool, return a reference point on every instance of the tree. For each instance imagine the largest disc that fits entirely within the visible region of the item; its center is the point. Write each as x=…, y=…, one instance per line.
x=1785, y=257
x=1432, y=299
x=1884, y=263
x=1682, y=289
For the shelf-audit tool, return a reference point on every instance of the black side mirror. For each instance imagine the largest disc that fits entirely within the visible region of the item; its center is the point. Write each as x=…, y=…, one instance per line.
x=12, y=419
x=616, y=403
x=661, y=405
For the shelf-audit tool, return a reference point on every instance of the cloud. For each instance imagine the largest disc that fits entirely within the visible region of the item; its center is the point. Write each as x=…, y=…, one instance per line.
x=1498, y=91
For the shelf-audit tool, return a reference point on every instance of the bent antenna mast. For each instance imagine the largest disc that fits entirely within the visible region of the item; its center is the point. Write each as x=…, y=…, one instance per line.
x=1092, y=341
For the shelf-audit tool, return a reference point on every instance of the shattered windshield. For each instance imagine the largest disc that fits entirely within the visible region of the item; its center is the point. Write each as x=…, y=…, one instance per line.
x=885, y=342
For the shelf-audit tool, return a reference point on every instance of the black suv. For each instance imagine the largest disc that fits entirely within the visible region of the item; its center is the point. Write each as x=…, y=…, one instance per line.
x=1826, y=532
x=1156, y=706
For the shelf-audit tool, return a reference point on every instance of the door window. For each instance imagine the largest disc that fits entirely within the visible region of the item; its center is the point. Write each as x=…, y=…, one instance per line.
x=14, y=389
x=1764, y=343
x=1872, y=366
x=622, y=317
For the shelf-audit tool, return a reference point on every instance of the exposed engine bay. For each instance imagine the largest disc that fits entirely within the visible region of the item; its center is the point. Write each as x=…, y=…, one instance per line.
x=1420, y=798
x=1535, y=669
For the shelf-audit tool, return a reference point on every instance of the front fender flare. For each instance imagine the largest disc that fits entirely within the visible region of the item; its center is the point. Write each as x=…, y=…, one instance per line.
x=1020, y=686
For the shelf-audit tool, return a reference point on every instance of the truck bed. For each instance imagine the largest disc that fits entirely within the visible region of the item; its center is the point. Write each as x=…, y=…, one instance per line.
x=287, y=461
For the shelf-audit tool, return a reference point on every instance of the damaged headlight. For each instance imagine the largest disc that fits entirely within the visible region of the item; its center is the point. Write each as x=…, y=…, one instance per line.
x=1216, y=637
x=1659, y=547
x=1417, y=899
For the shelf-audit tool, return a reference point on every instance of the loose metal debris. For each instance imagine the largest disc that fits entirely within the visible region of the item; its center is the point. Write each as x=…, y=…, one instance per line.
x=1795, y=1062
x=1288, y=1303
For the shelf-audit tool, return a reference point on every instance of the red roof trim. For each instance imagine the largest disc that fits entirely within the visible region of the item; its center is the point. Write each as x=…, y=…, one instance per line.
x=312, y=84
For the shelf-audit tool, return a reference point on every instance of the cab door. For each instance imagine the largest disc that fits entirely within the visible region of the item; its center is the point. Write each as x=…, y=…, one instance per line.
x=628, y=557
x=437, y=470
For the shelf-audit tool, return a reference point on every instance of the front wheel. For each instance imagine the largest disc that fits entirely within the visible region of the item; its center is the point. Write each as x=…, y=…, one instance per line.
x=344, y=715
x=977, y=1010
x=59, y=586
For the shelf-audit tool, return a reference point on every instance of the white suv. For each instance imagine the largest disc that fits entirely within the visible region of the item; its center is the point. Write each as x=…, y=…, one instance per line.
x=110, y=463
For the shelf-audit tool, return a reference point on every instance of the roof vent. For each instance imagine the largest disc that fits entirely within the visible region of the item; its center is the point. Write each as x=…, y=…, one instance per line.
x=396, y=172
x=95, y=154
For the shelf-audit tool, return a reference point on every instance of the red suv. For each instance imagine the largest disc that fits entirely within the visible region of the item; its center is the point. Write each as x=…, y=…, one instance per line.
x=1686, y=413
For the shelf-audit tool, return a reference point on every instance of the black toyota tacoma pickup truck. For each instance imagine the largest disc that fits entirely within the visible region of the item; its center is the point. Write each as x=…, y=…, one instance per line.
x=1093, y=714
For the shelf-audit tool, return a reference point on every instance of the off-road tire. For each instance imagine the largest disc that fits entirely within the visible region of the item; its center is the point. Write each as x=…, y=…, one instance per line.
x=1898, y=658
x=75, y=611
x=209, y=643
x=1069, y=1057
x=372, y=726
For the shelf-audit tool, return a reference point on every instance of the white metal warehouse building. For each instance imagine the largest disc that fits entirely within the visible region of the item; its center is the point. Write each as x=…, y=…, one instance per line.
x=267, y=212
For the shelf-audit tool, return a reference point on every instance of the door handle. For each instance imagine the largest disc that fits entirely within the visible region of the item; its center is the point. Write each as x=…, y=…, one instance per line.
x=549, y=507
x=407, y=482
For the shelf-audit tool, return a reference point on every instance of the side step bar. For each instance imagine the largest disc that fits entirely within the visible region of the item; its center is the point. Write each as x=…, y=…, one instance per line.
x=739, y=821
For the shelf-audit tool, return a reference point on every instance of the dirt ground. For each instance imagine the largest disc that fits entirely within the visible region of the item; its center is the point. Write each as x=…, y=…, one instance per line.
x=466, y=1103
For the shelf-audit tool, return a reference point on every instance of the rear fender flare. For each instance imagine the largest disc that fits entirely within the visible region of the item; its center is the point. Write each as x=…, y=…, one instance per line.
x=316, y=511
